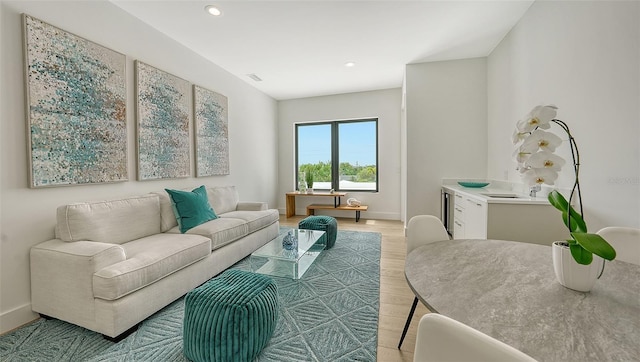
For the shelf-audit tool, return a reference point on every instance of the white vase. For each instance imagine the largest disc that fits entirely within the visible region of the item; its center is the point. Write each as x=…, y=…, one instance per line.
x=571, y=274
x=302, y=187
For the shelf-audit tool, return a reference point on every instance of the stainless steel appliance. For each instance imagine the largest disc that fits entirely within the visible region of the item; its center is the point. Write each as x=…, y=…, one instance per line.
x=446, y=210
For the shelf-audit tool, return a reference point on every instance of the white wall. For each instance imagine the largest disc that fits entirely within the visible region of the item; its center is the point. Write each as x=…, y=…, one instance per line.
x=28, y=215
x=583, y=57
x=403, y=152
x=446, y=110
x=384, y=105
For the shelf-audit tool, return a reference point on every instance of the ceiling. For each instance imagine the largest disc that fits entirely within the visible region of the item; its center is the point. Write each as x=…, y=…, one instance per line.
x=299, y=48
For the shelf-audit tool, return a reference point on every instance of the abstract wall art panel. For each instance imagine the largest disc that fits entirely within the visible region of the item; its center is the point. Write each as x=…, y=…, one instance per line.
x=212, y=134
x=163, y=124
x=76, y=108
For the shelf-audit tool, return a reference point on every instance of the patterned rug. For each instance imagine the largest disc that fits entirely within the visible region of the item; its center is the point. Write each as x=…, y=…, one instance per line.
x=331, y=314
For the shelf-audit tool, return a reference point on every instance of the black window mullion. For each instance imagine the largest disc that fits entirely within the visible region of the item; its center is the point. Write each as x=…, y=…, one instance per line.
x=297, y=171
x=335, y=166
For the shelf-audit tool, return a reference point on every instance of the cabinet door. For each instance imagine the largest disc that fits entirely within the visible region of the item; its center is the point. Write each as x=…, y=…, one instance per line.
x=458, y=229
x=475, y=219
x=458, y=217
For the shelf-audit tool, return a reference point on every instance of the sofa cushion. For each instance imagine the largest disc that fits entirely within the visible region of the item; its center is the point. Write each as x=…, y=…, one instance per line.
x=221, y=231
x=223, y=198
x=167, y=216
x=149, y=259
x=256, y=220
x=191, y=208
x=109, y=221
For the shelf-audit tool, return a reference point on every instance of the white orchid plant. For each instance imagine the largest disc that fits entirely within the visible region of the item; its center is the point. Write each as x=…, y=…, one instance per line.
x=535, y=147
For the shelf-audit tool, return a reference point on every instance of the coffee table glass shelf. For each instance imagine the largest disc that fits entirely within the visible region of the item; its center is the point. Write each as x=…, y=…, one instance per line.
x=273, y=259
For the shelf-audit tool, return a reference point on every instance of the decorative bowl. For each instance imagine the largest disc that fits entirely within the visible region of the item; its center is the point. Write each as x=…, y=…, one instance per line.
x=472, y=184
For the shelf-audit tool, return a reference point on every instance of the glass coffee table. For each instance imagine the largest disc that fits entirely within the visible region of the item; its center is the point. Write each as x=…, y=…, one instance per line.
x=273, y=259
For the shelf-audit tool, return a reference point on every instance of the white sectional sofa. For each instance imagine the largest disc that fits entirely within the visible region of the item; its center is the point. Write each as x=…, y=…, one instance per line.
x=115, y=263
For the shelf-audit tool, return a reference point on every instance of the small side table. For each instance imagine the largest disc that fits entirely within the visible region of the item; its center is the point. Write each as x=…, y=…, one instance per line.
x=291, y=199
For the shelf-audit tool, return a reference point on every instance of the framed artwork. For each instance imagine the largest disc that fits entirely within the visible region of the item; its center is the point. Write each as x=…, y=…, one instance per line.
x=211, y=132
x=76, y=108
x=163, y=114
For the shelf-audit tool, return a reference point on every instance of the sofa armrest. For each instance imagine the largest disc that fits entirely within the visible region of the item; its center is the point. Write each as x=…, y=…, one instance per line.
x=251, y=206
x=62, y=276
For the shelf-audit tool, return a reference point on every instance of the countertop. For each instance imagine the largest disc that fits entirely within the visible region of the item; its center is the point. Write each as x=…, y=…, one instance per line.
x=508, y=290
x=495, y=188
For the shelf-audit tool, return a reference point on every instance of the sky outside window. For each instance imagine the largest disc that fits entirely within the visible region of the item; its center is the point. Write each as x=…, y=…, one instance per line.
x=358, y=143
x=314, y=144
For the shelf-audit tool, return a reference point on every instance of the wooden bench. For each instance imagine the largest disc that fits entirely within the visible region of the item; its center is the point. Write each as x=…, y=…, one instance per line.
x=311, y=209
x=291, y=199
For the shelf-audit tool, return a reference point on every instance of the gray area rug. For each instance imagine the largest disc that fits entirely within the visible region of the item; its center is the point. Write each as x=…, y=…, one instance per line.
x=331, y=314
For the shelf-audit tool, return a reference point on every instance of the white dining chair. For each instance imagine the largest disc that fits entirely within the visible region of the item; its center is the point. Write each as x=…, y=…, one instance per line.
x=625, y=240
x=421, y=230
x=443, y=339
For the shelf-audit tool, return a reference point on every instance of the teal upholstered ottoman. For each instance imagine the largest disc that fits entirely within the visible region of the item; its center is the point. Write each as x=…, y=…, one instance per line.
x=324, y=223
x=230, y=318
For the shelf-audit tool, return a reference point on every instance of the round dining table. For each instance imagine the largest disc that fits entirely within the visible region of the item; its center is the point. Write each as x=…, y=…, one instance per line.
x=508, y=290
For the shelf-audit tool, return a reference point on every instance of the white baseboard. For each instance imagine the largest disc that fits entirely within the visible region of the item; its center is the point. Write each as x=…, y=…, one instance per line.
x=17, y=317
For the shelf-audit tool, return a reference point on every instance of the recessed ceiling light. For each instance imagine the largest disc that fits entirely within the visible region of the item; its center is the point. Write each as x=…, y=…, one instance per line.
x=349, y=64
x=213, y=10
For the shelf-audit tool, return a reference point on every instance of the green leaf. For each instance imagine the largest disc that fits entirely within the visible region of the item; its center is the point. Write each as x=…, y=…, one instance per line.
x=596, y=244
x=580, y=255
x=576, y=223
x=557, y=200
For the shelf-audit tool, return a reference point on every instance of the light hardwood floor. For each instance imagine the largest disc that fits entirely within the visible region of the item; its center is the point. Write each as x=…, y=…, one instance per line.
x=395, y=295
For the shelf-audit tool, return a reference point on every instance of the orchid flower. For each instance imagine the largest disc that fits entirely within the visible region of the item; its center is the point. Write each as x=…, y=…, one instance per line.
x=542, y=140
x=539, y=117
x=539, y=176
x=518, y=136
x=538, y=165
x=521, y=157
x=545, y=159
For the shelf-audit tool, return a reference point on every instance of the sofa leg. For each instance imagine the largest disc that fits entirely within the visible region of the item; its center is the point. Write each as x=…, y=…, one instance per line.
x=122, y=335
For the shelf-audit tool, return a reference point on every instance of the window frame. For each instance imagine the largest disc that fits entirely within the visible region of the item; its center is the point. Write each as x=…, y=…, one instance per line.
x=335, y=152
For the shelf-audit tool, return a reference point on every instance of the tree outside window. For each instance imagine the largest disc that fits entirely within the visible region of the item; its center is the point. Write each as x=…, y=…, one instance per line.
x=341, y=155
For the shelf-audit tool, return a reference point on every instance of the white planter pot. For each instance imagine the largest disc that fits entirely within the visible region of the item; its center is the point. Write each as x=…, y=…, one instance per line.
x=571, y=274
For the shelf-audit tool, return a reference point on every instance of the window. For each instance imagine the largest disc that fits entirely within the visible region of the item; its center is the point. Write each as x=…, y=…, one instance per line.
x=341, y=155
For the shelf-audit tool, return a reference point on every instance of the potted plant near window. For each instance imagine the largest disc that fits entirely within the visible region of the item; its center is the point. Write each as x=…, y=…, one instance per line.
x=574, y=262
x=309, y=179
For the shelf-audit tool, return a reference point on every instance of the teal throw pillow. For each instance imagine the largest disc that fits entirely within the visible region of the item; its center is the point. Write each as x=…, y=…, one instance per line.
x=191, y=208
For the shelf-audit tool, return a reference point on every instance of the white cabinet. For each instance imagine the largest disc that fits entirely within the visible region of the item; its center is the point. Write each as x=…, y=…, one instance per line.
x=531, y=223
x=458, y=216
x=475, y=223
x=482, y=218
x=470, y=218
x=458, y=229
